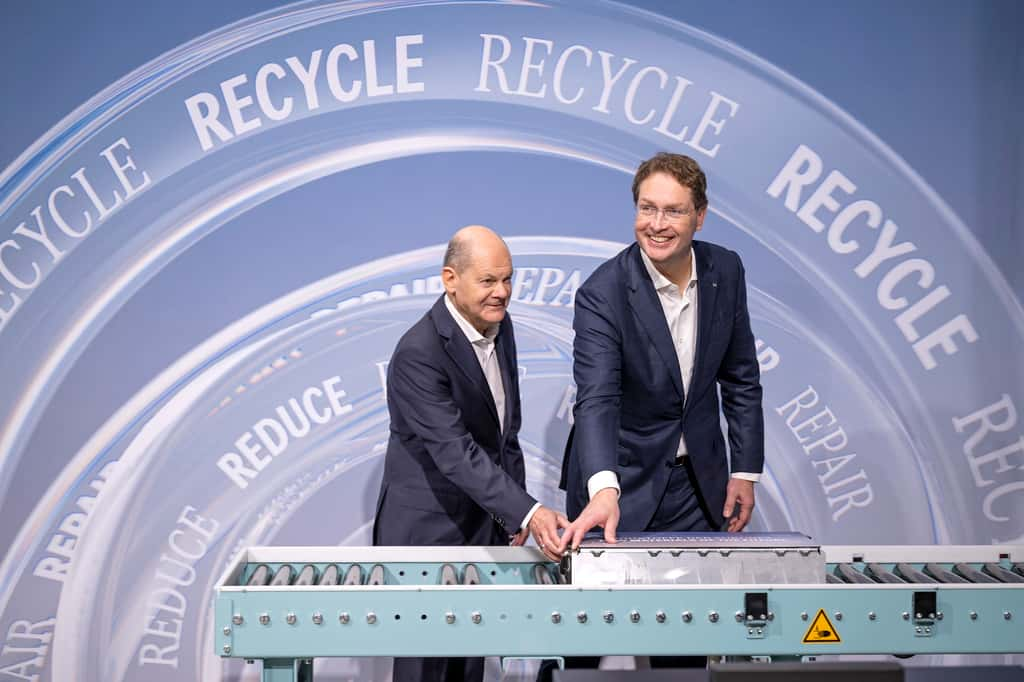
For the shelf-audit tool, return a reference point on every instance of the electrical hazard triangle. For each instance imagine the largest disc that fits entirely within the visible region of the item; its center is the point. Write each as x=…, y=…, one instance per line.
x=821, y=630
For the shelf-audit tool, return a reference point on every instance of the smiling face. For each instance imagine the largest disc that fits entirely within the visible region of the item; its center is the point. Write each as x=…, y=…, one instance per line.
x=666, y=221
x=480, y=289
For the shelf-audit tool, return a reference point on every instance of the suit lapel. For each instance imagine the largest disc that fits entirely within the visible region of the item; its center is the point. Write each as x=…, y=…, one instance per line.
x=507, y=365
x=707, y=299
x=644, y=301
x=462, y=354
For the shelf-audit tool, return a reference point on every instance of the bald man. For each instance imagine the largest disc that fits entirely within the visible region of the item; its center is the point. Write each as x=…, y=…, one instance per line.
x=453, y=472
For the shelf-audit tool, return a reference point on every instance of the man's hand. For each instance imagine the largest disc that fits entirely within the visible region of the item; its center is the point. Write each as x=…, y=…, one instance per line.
x=739, y=493
x=602, y=510
x=520, y=538
x=544, y=525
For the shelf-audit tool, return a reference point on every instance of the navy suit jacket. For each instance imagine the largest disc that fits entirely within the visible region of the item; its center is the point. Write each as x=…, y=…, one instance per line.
x=630, y=406
x=451, y=476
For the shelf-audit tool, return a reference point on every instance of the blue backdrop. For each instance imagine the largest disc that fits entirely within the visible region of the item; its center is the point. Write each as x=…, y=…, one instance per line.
x=215, y=224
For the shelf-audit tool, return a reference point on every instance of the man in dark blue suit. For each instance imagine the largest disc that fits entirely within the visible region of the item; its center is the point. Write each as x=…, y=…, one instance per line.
x=453, y=471
x=661, y=329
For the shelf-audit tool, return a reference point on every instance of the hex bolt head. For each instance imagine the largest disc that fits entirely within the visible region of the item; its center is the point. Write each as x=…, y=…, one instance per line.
x=974, y=615
x=344, y=618
x=938, y=616
x=872, y=615
x=838, y=615
x=803, y=615
x=476, y=617
x=687, y=616
x=771, y=615
x=713, y=616
x=227, y=649
x=227, y=630
x=318, y=618
x=264, y=619
x=660, y=617
x=760, y=631
x=608, y=616
x=739, y=617
x=917, y=630
x=750, y=631
x=556, y=617
x=1007, y=615
x=371, y=617
x=237, y=619
x=449, y=618
x=291, y=619
x=581, y=617
x=905, y=615
x=634, y=616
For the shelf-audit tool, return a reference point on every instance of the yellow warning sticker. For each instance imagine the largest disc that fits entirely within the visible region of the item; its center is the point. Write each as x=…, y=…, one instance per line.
x=821, y=631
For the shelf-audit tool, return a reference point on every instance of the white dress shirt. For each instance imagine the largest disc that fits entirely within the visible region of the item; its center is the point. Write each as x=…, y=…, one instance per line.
x=680, y=308
x=483, y=346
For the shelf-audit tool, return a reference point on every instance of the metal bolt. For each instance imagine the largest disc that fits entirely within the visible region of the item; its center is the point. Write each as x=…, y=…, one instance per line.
x=713, y=616
x=974, y=615
x=872, y=615
x=343, y=618
x=609, y=616
x=739, y=617
x=1007, y=615
x=771, y=615
x=750, y=631
x=906, y=616
x=918, y=616
x=803, y=615
x=660, y=616
x=449, y=618
x=556, y=617
x=917, y=630
x=237, y=619
x=634, y=616
x=371, y=617
x=264, y=619
x=581, y=617
x=760, y=631
x=928, y=631
x=291, y=619
x=318, y=618
x=838, y=615
x=475, y=617
x=939, y=615
x=227, y=630
x=227, y=648
x=687, y=616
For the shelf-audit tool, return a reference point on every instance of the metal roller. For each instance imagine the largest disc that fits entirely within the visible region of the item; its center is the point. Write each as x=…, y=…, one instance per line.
x=851, y=575
x=913, y=575
x=1002, y=574
x=448, y=575
x=307, y=576
x=354, y=575
x=283, y=576
x=942, y=574
x=471, y=575
x=376, y=575
x=972, y=574
x=882, y=574
x=542, y=576
x=329, y=576
x=260, y=576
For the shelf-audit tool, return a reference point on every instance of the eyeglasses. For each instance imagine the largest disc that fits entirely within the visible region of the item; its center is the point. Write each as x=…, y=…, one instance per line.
x=671, y=215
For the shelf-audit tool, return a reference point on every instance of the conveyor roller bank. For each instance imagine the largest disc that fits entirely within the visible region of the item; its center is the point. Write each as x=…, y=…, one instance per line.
x=747, y=594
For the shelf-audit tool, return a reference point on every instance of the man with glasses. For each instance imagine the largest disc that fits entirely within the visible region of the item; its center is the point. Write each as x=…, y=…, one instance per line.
x=661, y=329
